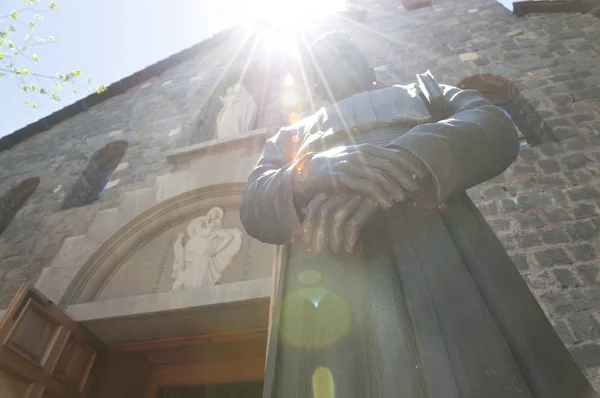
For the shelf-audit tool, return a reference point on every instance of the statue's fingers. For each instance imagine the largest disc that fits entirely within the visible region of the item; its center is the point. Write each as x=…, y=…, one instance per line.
x=339, y=218
x=368, y=188
x=310, y=218
x=322, y=225
x=389, y=185
x=399, y=174
x=412, y=163
x=397, y=155
x=353, y=226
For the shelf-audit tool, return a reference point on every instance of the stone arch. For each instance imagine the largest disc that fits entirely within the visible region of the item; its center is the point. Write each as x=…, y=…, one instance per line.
x=113, y=252
x=13, y=200
x=502, y=93
x=92, y=183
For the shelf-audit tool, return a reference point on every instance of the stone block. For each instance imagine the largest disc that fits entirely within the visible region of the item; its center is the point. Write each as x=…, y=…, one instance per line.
x=472, y=56
x=582, y=230
x=74, y=252
x=586, y=355
x=559, y=303
x=145, y=200
x=584, y=326
x=549, y=166
x=588, y=273
x=576, y=161
x=563, y=332
x=565, y=277
x=554, y=236
x=105, y=224
x=583, y=193
x=587, y=298
x=552, y=257
x=585, y=210
x=54, y=282
x=583, y=251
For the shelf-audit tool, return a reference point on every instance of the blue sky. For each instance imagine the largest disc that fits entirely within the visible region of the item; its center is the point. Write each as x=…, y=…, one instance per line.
x=111, y=39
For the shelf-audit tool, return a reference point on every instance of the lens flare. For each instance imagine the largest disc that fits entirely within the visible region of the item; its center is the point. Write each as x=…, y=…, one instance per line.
x=314, y=317
x=322, y=383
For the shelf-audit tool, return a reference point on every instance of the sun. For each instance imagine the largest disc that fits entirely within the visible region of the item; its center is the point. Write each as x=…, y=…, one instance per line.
x=292, y=15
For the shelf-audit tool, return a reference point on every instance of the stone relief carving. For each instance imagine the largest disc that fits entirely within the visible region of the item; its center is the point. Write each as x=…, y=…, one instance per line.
x=209, y=250
x=238, y=113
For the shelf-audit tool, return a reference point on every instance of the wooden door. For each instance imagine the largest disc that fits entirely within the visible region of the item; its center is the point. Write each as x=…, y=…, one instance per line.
x=45, y=350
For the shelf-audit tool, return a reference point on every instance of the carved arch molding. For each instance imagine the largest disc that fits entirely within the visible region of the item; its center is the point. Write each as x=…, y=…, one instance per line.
x=117, y=249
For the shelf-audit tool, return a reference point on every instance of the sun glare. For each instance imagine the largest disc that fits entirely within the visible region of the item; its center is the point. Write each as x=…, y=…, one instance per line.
x=293, y=14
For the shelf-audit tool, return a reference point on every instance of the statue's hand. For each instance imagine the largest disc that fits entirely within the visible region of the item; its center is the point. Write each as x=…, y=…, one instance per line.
x=336, y=220
x=385, y=175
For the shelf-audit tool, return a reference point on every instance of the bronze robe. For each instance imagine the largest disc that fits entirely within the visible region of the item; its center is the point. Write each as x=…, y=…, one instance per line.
x=429, y=304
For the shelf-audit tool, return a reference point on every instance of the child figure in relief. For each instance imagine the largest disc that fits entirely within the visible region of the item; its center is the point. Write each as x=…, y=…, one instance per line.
x=209, y=249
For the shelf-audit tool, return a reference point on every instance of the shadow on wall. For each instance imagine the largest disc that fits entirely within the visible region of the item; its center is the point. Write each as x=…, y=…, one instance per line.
x=14, y=199
x=92, y=183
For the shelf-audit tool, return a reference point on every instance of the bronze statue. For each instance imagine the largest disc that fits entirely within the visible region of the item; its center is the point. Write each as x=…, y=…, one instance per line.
x=391, y=283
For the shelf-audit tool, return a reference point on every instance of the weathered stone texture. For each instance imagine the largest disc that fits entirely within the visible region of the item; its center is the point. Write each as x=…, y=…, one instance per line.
x=545, y=208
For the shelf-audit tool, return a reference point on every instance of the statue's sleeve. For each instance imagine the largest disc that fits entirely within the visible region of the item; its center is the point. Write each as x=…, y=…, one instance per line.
x=267, y=211
x=475, y=144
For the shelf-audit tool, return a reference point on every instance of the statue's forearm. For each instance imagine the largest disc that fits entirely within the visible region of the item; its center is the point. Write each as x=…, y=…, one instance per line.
x=475, y=144
x=267, y=210
x=463, y=153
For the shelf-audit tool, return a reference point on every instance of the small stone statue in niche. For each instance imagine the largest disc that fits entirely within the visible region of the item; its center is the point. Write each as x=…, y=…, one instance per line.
x=238, y=114
x=208, y=251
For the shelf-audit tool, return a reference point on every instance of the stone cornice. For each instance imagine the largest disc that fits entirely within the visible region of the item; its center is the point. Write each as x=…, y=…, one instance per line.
x=249, y=139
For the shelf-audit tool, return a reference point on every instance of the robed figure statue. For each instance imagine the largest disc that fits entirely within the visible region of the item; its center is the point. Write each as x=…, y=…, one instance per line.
x=391, y=283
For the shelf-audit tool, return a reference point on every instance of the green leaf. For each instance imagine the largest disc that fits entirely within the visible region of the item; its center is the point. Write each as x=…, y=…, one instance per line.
x=74, y=91
x=35, y=58
x=34, y=87
x=52, y=5
x=76, y=72
x=11, y=28
x=14, y=15
x=25, y=88
x=101, y=89
x=57, y=86
x=43, y=91
x=1, y=55
x=50, y=38
x=89, y=80
x=32, y=25
x=38, y=17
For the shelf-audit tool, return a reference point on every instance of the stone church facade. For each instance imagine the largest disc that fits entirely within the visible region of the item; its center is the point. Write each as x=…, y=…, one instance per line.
x=94, y=197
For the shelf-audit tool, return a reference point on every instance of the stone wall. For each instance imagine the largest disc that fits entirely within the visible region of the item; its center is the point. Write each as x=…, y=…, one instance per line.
x=544, y=208
x=154, y=117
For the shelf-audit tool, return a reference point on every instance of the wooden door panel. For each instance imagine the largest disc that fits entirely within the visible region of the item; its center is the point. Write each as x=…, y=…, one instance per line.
x=75, y=363
x=32, y=346
x=43, y=347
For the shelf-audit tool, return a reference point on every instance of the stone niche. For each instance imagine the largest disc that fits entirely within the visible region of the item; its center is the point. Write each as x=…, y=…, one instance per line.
x=150, y=268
